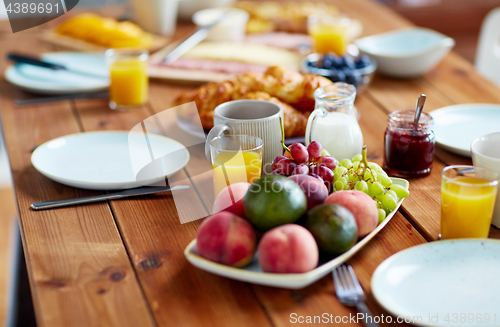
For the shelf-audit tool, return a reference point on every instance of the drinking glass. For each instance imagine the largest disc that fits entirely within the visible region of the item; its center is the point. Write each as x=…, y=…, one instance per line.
x=468, y=196
x=128, y=87
x=235, y=159
x=329, y=33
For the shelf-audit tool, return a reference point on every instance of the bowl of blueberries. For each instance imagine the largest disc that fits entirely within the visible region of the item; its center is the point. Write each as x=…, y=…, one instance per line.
x=355, y=70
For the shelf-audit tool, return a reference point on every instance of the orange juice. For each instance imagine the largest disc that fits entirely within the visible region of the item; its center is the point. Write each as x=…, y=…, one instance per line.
x=128, y=82
x=230, y=168
x=467, y=207
x=329, y=38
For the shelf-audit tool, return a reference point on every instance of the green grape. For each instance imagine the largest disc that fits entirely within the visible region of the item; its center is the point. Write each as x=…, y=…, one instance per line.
x=400, y=191
x=357, y=157
x=361, y=186
x=346, y=163
x=393, y=194
x=355, y=165
x=340, y=184
x=382, y=173
x=388, y=203
x=381, y=215
x=375, y=167
x=378, y=204
x=371, y=174
x=350, y=177
x=384, y=180
x=375, y=189
x=340, y=170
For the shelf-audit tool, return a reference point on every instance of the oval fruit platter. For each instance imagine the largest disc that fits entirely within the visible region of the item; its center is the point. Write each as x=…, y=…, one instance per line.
x=252, y=273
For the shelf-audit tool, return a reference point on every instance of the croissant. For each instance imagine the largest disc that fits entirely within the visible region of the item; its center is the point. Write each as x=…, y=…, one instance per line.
x=292, y=91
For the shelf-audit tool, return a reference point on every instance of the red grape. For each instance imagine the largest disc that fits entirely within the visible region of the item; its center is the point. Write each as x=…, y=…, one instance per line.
x=324, y=172
x=301, y=170
x=299, y=152
x=317, y=177
x=328, y=161
x=278, y=159
x=286, y=166
x=314, y=149
x=276, y=172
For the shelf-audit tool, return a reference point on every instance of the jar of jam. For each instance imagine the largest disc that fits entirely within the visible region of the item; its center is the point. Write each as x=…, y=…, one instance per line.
x=409, y=149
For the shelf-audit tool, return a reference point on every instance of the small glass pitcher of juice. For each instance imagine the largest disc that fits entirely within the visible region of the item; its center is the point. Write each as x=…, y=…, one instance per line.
x=329, y=33
x=468, y=195
x=235, y=159
x=128, y=78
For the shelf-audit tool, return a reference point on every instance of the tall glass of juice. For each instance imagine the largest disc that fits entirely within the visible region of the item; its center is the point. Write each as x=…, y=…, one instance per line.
x=128, y=78
x=468, y=195
x=329, y=33
x=235, y=159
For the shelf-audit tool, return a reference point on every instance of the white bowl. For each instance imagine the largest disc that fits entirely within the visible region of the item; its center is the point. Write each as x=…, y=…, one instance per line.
x=231, y=28
x=486, y=154
x=188, y=7
x=408, y=52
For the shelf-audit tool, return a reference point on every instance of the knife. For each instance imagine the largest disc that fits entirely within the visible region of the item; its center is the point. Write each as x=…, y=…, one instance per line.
x=104, y=197
x=191, y=41
x=40, y=63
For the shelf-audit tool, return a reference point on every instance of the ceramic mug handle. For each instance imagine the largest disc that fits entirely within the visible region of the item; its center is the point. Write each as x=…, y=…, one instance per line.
x=216, y=131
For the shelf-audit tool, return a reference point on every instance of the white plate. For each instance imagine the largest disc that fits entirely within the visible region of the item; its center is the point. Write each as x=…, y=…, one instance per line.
x=51, y=82
x=105, y=160
x=254, y=274
x=442, y=278
x=457, y=126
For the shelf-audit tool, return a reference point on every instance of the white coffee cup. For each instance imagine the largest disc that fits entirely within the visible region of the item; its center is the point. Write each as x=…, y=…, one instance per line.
x=486, y=154
x=250, y=117
x=156, y=16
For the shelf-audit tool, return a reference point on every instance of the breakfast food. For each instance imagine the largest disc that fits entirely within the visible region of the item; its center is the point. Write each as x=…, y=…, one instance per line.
x=315, y=190
x=227, y=239
x=292, y=91
x=288, y=249
x=272, y=201
x=287, y=17
x=105, y=32
x=231, y=199
x=333, y=227
x=361, y=206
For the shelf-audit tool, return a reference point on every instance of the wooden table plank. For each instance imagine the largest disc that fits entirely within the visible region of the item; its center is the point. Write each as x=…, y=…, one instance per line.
x=155, y=239
x=79, y=270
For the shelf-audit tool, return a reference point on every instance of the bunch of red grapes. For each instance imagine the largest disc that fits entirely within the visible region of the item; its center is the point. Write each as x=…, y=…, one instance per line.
x=302, y=160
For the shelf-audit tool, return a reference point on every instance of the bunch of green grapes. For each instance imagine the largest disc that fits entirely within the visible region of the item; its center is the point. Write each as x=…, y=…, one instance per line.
x=359, y=174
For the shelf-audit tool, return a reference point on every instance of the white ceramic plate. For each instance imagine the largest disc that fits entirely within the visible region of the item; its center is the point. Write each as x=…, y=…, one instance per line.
x=106, y=160
x=457, y=126
x=442, y=282
x=254, y=274
x=51, y=82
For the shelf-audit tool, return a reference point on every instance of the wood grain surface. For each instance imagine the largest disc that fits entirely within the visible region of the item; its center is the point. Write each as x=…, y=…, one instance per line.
x=121, y=263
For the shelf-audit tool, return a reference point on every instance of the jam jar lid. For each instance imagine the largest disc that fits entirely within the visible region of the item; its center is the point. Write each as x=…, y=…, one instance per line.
x=404, y=120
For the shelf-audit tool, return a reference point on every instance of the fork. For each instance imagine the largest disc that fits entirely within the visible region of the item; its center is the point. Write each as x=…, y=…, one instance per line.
x=350, y=293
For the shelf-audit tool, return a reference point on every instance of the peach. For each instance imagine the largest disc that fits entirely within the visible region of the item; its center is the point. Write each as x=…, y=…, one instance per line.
x=362, y=207
x=231, y=199
x=288, y=249
x=227, y=239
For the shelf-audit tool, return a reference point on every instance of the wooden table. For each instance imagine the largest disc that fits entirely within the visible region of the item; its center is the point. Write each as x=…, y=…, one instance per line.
x=121, y=263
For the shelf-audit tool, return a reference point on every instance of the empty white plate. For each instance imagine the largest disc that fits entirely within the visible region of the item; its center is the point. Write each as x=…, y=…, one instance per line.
x=443, y=283
x=51, y=82
x=457, y=126
x=108, y=160
x=254, y=274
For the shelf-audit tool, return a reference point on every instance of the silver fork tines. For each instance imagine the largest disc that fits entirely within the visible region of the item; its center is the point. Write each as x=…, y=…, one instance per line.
x=350, y=293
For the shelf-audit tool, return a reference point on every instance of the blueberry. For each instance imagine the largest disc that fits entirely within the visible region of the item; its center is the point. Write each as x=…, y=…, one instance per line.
x=348, y=61
x=328, y=60
x=363, y=61
x=337, y=76
x=338, y=63
x=353, y=78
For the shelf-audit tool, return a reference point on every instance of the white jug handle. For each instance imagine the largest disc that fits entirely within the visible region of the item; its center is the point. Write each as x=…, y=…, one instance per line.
x=310, y=125
x=216, y=131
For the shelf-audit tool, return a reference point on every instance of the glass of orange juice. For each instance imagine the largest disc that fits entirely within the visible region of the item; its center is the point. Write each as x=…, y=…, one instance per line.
x=329, y=33
x=128, y=85
x=235, y=159
x=468, y=195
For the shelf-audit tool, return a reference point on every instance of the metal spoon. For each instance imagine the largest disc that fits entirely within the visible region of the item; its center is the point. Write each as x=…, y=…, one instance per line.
x=419, y=108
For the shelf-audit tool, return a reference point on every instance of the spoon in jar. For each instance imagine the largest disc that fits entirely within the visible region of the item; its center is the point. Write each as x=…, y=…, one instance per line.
x=418, y=109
